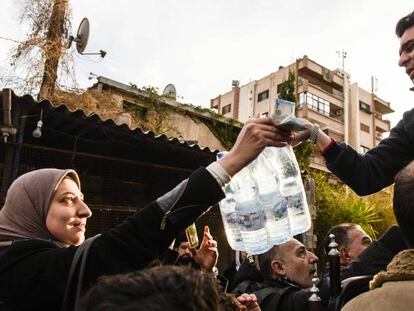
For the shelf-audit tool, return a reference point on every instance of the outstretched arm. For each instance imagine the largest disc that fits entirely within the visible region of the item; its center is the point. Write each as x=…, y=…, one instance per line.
x=369, y=172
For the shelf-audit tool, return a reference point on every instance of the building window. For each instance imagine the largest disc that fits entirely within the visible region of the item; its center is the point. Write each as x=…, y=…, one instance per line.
x=364, y=128
x=314, y=102
x=263, y=95
x=338, y=113
x=364, y=106
x=226, y=109
x=363, y=149
x=281, y=86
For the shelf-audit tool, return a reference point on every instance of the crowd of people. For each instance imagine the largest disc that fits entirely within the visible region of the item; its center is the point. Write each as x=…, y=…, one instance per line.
x=132, y=267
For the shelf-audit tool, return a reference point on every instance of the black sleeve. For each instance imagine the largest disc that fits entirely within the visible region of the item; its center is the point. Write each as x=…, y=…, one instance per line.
x=376, y=169
x=142, y=237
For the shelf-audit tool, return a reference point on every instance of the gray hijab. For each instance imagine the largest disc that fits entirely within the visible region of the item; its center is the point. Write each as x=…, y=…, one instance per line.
x=23, y=215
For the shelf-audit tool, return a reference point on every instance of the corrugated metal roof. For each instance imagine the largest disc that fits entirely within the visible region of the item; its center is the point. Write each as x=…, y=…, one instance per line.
x=30, y=102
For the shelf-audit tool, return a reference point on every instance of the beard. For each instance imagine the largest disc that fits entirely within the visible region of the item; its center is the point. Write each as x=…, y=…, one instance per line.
x=184, y=260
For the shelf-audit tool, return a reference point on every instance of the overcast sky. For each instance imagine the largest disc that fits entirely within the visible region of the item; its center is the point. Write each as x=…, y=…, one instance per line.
x=201, y=46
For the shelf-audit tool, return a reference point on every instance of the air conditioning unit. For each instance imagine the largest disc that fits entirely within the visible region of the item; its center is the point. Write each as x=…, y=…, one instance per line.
x=235, y=83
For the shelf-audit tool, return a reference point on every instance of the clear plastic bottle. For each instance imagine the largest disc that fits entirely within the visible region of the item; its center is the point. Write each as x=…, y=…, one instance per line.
x=274, y=204
x=229, y=216
x=231, y=220
x=291, y=187
x=250, y=213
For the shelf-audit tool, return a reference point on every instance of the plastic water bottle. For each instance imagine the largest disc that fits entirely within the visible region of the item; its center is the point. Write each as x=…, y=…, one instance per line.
x=291, y=187
x=250, y=213
x=229, y=216
x=231, y=220
x=269, y=195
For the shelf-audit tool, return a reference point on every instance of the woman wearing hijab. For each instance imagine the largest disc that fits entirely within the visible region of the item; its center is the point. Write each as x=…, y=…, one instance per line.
x=44, y=218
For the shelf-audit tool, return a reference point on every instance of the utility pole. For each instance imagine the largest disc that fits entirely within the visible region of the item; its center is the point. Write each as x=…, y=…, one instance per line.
x=342, y=54
x=53, y=48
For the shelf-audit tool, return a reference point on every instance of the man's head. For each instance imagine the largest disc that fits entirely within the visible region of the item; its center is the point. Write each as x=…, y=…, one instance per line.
x=351, y=239
x=405, y=31
x=290, y=260
x=185, y=253
x=403, y=202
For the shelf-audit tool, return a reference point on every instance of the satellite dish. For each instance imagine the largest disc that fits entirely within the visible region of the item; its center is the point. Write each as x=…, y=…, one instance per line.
x=82, y=36
x=170, y=91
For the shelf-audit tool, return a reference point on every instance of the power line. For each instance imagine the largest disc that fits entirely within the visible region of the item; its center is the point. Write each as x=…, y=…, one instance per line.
x=8, y=39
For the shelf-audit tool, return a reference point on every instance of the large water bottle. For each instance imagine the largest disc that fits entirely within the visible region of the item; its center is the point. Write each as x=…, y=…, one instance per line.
x=269, y=195
x=229, y=216
x=250, y=213
x=291, y=187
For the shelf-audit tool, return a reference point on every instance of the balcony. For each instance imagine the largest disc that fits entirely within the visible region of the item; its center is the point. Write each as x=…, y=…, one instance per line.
x=334, y=96
x=313, y=69
x=378, y=136
x=382, y=106
x=382, y=125
x=325, y=122
x=215, y=102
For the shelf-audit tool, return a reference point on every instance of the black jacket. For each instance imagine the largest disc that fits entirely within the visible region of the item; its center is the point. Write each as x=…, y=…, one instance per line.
x=33, y=273
x=369, y=173
x=277, y=295
x=248, y=279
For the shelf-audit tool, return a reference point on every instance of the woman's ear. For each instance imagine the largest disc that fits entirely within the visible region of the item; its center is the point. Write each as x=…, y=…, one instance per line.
x=278, y=268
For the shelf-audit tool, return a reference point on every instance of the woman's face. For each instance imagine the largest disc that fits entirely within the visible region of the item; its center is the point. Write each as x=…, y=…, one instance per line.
x=66, y=219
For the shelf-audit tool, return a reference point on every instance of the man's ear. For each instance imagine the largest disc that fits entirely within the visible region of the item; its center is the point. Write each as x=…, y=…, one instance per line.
x=345, y=257
x=278, y=268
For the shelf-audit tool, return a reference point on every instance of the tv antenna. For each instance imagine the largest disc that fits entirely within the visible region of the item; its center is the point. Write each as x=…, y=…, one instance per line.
x=342, y=54
x=81, y=39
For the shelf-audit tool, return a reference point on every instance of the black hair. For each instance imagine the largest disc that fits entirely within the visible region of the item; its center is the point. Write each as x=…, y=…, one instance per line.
x=341, y=235
x=265, y=261
x=180, y=238
x=404, y=23
x=162, y=288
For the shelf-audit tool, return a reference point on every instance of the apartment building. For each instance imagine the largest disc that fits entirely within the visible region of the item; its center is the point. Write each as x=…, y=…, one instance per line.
x=343, y=110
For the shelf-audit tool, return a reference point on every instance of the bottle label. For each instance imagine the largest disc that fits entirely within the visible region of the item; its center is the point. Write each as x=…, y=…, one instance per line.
x=252, y=221
x=231, y=224
x=296, y=204
x=231, y=219
x=288, y=169
x=280, y=211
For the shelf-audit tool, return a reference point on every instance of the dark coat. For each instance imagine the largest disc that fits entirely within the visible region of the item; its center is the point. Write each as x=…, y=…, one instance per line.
x=33, y=273
x=369, y=173
x=248, y=279
x=277, y=295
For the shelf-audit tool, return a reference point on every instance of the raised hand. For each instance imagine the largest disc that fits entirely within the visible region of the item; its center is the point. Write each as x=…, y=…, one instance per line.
x=256, y=134
x=206, y=256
